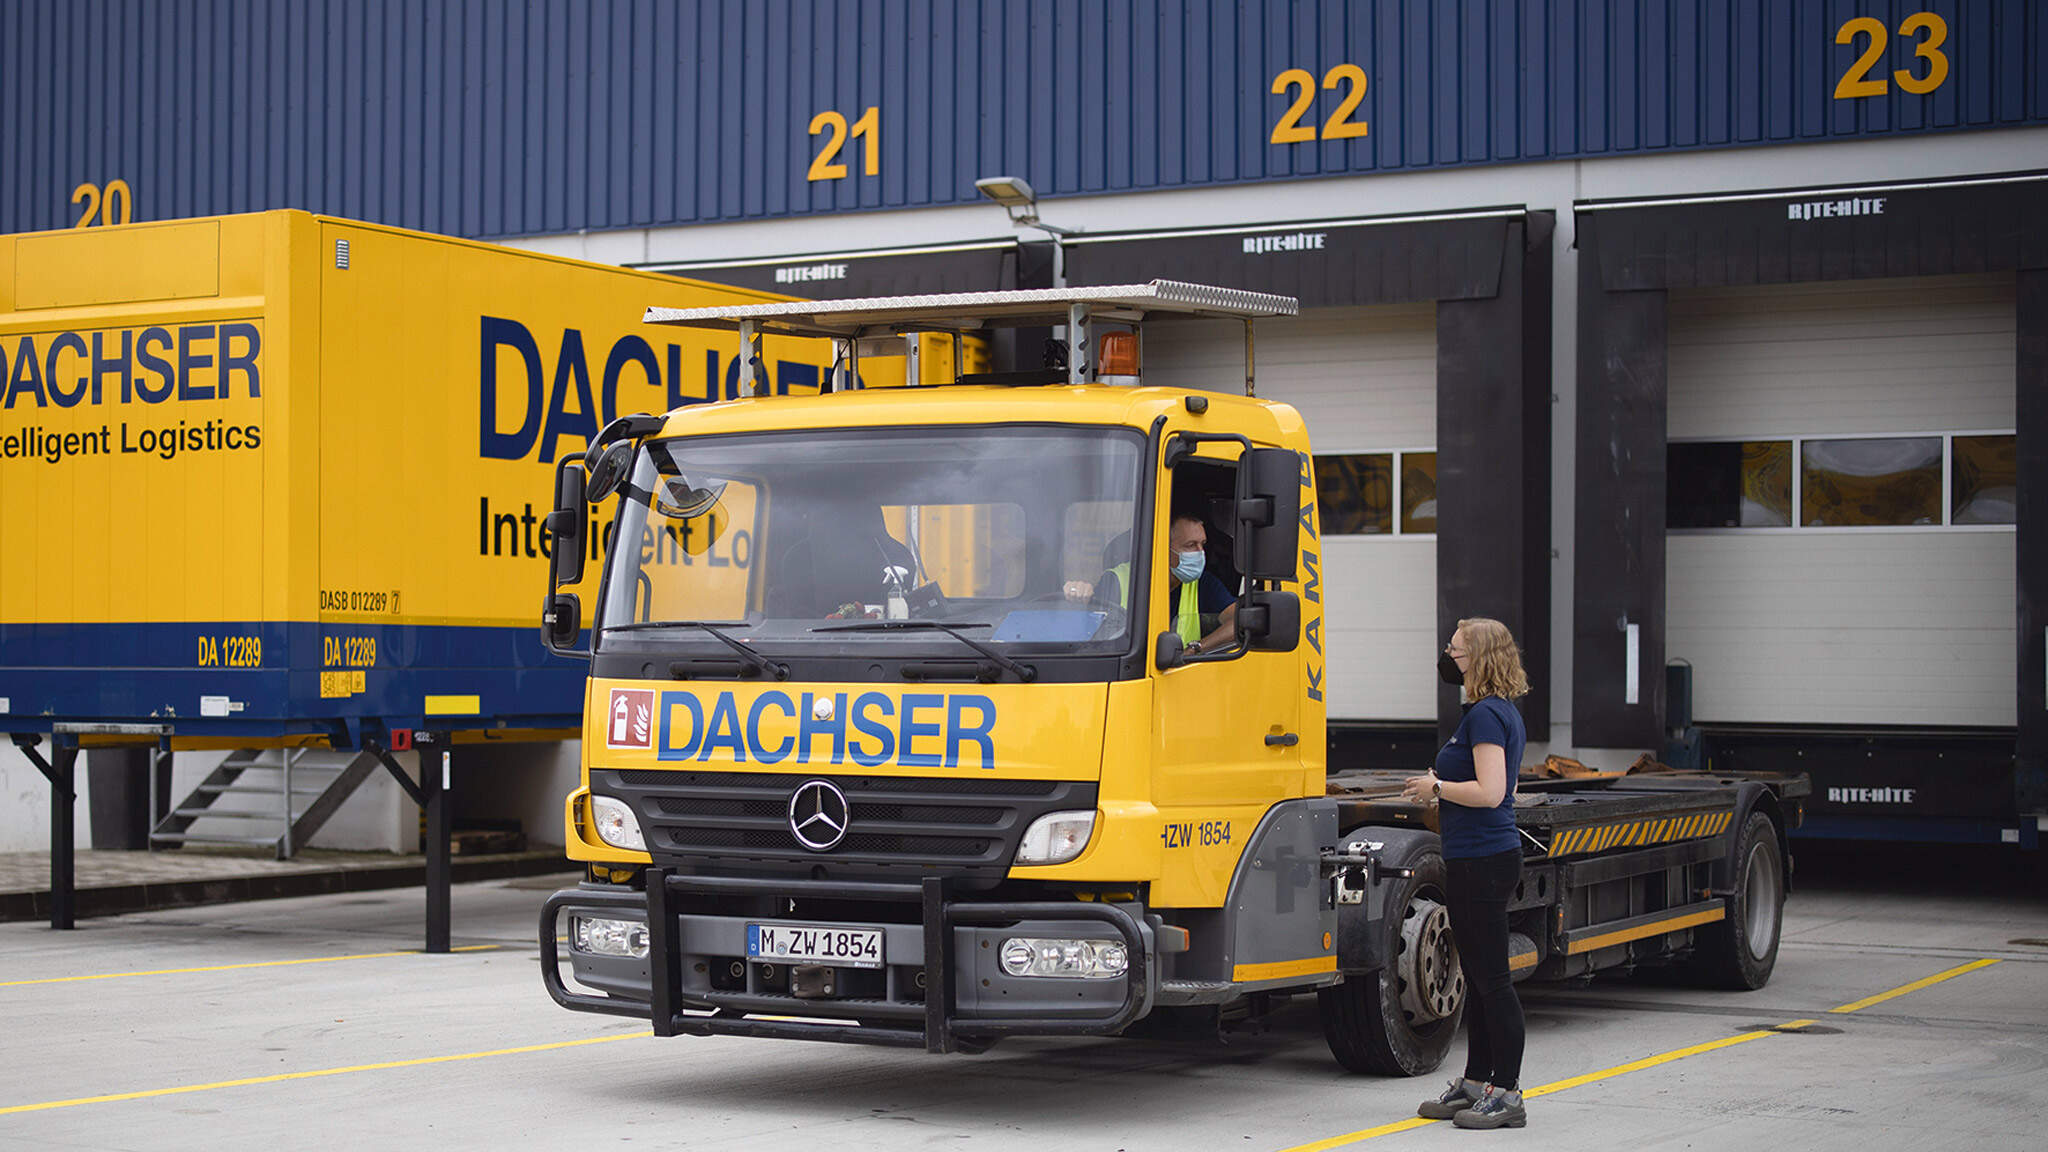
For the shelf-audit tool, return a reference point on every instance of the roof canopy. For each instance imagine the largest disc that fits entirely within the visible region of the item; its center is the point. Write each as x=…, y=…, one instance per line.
x=972, y=311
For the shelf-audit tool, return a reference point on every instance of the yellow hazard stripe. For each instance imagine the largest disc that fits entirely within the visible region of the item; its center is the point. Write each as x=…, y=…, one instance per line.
x=1249, y=973
x=1631, y=833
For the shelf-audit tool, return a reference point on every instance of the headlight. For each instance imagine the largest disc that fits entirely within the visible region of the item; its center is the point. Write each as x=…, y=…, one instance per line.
x=616, y=824
x=1056, y=837
x=601, y=937
x=1083, y=959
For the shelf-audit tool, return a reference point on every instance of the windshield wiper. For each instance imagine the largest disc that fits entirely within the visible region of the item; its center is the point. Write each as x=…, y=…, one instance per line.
x=1024, y=672
x=760, y=664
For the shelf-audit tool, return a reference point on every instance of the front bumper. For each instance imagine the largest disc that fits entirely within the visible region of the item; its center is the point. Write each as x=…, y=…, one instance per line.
x=943, y=988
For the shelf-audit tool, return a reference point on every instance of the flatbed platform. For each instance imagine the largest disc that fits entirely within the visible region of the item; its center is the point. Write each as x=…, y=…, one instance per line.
x=1577, y=815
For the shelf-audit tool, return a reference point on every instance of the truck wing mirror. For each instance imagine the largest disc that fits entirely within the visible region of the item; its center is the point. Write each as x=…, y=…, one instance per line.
x=1270, y=621
x=1169, y=651
x=633, y=427
x=1268, y=514
x=610, y=470
x=569, y=523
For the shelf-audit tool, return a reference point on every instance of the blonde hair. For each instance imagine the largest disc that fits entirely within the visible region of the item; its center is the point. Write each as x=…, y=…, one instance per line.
x=1495, y=667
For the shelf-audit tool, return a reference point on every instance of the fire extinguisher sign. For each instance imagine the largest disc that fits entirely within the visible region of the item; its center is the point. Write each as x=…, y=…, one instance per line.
x=631, y=722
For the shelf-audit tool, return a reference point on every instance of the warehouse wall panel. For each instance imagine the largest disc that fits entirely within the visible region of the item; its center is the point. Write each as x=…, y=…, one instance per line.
x=1870, y=628
x=1924, y=354
x=543, y=116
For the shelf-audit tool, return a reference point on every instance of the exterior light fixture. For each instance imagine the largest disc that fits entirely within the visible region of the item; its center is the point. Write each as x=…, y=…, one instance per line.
x=1017, y=198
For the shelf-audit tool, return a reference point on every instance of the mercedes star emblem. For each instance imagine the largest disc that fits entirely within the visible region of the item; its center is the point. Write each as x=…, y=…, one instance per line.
x=818, y=815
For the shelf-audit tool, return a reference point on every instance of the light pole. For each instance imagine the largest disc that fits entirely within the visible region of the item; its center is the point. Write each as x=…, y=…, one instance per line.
x=1017, y=198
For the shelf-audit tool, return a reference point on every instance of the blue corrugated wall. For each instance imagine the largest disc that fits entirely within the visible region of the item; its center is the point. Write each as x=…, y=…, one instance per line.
x=485, y=118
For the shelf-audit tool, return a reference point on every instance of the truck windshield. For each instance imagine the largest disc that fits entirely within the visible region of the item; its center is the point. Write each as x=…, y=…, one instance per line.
x=1017, y=536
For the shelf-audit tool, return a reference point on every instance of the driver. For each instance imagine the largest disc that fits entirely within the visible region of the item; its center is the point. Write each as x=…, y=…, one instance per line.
x=1204, y=609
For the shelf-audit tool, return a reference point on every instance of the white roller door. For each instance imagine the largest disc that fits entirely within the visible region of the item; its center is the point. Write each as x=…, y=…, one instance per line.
x=1854, y=625
x=1364, y=380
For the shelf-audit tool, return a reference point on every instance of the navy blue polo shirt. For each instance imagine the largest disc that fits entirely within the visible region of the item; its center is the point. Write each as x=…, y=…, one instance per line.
x=1215, y=597
x=1469, y=833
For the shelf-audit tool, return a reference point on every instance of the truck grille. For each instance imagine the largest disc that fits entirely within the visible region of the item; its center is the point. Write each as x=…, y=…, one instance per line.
x=737, y=823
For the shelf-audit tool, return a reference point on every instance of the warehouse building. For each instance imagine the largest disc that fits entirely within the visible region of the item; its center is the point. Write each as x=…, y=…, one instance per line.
x=1706, y=345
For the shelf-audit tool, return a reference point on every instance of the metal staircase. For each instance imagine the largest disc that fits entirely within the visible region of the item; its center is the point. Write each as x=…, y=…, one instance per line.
x=266, y=797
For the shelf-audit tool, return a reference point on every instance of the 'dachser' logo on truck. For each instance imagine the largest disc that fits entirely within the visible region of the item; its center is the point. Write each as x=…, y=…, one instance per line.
x=89, y=393
x=914, y=730
x=132, y=366
x=567, y=385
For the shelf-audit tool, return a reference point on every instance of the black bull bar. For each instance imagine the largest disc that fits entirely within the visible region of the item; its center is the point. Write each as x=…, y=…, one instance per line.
x=942, y=1028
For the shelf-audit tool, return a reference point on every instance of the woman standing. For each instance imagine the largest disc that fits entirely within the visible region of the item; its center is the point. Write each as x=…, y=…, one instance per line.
x=1474, y=785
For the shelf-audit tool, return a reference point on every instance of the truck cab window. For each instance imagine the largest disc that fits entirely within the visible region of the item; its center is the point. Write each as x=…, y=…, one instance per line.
x=791, y=534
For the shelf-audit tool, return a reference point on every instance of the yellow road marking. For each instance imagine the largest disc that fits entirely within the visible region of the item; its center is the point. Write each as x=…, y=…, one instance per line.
x=1648, y=1061
x=233, y=967
x=283, y=1076
x=1362, y=1134
x=1915, y=986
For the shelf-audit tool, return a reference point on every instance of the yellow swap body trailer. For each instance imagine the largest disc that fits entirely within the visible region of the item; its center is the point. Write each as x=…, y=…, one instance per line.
x=944, y=763
x=273, y=477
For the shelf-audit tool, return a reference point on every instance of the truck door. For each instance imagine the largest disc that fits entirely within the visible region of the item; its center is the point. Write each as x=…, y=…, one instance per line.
x=1215, y=770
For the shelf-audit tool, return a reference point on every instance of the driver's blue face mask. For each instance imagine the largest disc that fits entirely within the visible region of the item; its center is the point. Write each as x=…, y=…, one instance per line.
x=1187, y=566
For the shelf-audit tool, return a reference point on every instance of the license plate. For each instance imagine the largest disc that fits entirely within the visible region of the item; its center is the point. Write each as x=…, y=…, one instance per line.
x=815, y=944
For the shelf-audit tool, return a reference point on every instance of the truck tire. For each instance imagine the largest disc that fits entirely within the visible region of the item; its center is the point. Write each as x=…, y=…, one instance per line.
x=1400, y=1020
x=1740, y=951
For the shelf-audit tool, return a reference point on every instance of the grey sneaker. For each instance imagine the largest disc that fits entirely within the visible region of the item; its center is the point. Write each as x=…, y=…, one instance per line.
x=1494, y=1109
x=1462, y=1094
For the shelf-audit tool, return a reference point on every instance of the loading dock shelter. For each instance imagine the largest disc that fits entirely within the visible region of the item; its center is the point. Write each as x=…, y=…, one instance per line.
x=1810, y=457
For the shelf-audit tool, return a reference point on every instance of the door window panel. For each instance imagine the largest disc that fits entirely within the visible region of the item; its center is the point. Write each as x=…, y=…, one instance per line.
x=1355, y=494
x=1871, y=482
x=1732, y=484
x=1984, y=480
x=1418, y=492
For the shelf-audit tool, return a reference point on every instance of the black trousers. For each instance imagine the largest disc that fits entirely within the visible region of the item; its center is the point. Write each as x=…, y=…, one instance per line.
x=1478, y=892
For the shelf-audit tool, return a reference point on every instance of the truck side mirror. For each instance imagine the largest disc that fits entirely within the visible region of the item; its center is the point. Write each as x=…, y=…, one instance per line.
x=1268, y=514
x=569, y=523
x=610, y=470
x=1270, y=621
x=1169, y=651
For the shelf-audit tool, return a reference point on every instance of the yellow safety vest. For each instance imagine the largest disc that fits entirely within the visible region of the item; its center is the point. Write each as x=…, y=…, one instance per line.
x=1187, y=614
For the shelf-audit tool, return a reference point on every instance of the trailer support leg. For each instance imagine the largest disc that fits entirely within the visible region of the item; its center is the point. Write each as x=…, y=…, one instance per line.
x=61, y=770
x=435, y=768
x=437, y=824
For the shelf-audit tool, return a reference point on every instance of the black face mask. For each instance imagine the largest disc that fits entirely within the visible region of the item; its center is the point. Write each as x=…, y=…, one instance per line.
x=1447, y=670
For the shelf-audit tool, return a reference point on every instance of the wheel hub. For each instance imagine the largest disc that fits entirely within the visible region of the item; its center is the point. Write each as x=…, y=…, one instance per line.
x=1432, y=985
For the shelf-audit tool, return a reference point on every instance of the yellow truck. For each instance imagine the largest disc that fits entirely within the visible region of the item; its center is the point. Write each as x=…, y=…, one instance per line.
x=941, y=765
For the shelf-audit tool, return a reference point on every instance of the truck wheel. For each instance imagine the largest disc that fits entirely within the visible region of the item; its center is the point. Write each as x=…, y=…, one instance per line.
x=1400, y=1020
x=1740, y=951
